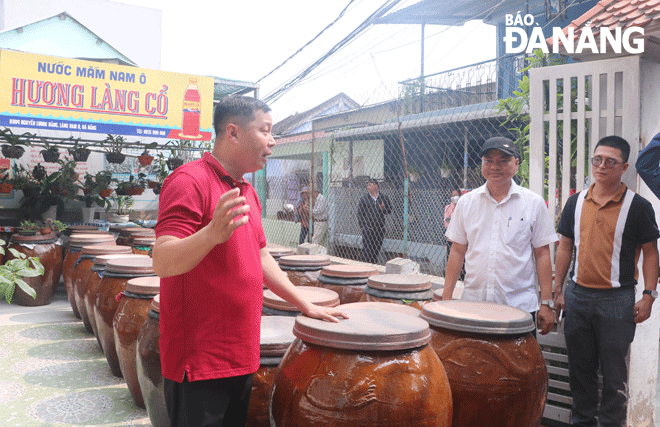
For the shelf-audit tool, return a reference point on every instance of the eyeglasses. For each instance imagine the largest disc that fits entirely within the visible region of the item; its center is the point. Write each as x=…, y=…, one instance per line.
x=609, y=163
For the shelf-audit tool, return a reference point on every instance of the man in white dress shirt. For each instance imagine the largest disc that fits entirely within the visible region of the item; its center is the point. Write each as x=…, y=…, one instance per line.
x=320, y=213
x=502, y=231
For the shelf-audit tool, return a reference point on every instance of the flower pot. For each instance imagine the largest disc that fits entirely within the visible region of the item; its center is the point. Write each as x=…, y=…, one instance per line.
x=105, y=192
x=50, y=156
x=152, y=184
x=120, y=218
x=45, y=230
x=12, y=152
x=117, y=158
x=145, y=159
x=174, y=163
x=27, y=233
x=88, y=214
x=158, y=188
x=6, y=188
x=80, y=155
x=134, y=191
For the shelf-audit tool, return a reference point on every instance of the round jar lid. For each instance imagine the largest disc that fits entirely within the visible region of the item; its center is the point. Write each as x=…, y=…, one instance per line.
x=276, y=334
x=437, y=294
x=37, y=238
x=384, y=306
x=478, y=317
x=91, y=239
x=103, y=259
x=155, y=304
x=400, y=282
x=85, y=229
x=349, y=271
x=131, y=231
x=149, y=285
x=143, y=241
x=106, y=250
x=319, y=296
x=305, y=260
x=139, y=266
x=279, y=251
x=365, y=329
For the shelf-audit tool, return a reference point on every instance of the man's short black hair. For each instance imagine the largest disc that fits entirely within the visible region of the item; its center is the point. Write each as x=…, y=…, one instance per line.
x=616, y=142
x=373, y=181
x=236, y=106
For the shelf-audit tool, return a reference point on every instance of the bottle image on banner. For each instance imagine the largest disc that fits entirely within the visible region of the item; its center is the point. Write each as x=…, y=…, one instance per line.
x=192, y=111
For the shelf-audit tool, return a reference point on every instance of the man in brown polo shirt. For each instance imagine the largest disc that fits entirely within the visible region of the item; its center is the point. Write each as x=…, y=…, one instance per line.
x=608, y=225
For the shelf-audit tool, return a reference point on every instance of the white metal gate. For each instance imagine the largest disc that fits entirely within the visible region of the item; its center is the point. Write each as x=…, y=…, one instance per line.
x=571, y=107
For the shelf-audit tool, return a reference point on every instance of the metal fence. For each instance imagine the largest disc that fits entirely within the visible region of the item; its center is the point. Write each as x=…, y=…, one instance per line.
x=419, y=147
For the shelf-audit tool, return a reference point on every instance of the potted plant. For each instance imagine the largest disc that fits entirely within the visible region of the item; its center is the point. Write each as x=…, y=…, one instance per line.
x=50, y=152
x=28, y=228
x=79, y=152
x=92, y=197
x=13, y=271
x=176, y=152
x=23, y=180
x=145, y=158
x=5, y=184
x=114, y=144
x=39, y=172
x=161, y=171
x=58, y=226
x=132, y=187
x=53, y=189
x=123, y=204
x=12, y=147
x=103, y=179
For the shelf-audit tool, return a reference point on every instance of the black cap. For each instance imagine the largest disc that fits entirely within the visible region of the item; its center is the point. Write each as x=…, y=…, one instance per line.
x=501, y=143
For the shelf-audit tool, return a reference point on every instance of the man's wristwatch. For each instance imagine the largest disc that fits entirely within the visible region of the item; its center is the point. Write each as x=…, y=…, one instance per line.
x=550, y=303
x=653, y=293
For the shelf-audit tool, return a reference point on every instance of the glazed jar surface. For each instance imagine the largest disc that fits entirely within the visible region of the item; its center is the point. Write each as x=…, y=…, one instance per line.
x=413, y=290
x=50, y=255
x=303, y=270
x=349, y=281
x=497, y=379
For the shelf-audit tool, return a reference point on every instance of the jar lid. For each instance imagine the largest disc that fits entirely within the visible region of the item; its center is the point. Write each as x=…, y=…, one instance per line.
x=305, y=260
x=82, y=229
x=365, y=329
x=91, y=239
x=130, y=231
x=478, y=317
x=106, y=250
x=384, y=306
x=139, y=266
x=437, y=294
x=149, y=285
x=279, y=251
x=143, y=241
x=37, y=238
x=155, y=304
x=400, y=282
x=103, y=259
x=276, y=335
x=349, y=271
x=319, y=296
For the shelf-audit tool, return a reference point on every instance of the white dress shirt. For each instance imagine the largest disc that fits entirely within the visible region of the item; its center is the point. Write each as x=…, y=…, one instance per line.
x=500, y=237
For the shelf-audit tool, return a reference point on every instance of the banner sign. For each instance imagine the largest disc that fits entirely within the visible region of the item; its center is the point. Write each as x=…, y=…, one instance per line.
x=61, y=94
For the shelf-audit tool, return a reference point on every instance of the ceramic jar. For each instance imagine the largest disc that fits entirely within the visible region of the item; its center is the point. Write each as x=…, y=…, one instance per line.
x=126, y=234
x=49, y=251
x=276, y=337
x=142, y=245
x=131, y=313
x=81, y=271
x=149, y=373
x=410, y=289
x=303, y=270
x=73, y=252
x=279, y=251
x=373, y=369
x=495, y=366
x=349, y=281
x=275, y=306
x=117, y=274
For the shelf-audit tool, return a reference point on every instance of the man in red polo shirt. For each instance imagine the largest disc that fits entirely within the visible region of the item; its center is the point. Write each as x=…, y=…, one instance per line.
x=211, y=256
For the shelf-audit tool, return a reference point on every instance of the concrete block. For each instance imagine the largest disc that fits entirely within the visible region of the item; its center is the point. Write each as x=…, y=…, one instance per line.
x=311, y=249
x=401, y=266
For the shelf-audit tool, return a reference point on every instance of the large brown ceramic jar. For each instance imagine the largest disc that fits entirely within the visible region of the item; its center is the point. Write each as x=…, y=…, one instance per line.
x=276, y=306
x=373, y=369
x=303, y=270
x=131, y=313
x=117, y=274
x=409, y=289
x=49, y=251
x=348, y=281
x=93, y=284
x=126, y=234
x=142, y=245
x=277, y=251
x=73, y=252
x=81, y=272
x=495, y=366
x=276, y=337
x=149, y=372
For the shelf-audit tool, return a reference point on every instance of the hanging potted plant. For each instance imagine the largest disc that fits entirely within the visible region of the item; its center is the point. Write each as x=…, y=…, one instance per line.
x=23, y=180
x=176, y=152
x=101, y=181
x=114, y=144
x=15, y=270
x=123, y=205
x=145, y=158
x=50, y=152
x=132, y=187
x=12, y=145
x=79, y=152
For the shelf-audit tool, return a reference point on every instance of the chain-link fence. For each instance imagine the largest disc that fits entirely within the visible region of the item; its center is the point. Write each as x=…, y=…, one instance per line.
x=418, y=147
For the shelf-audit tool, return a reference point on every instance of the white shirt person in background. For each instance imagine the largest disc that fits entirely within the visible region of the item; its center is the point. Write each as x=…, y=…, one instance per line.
x=320, y=213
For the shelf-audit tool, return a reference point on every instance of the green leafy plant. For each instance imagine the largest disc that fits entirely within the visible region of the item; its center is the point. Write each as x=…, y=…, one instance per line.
x=134, y=186
x=53, y=189
x=124, y=204
x=13, y=271
x=29, y=226
x=12, y=144
x=114, y=143
x=58, y=226
x=21, y=177
x=79, y=152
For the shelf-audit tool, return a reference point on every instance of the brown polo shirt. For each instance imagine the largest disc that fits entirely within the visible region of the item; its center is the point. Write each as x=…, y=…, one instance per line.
x=607, y=238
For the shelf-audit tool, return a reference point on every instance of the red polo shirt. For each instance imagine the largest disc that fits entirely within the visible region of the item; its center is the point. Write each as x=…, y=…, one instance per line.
x=210, y=317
